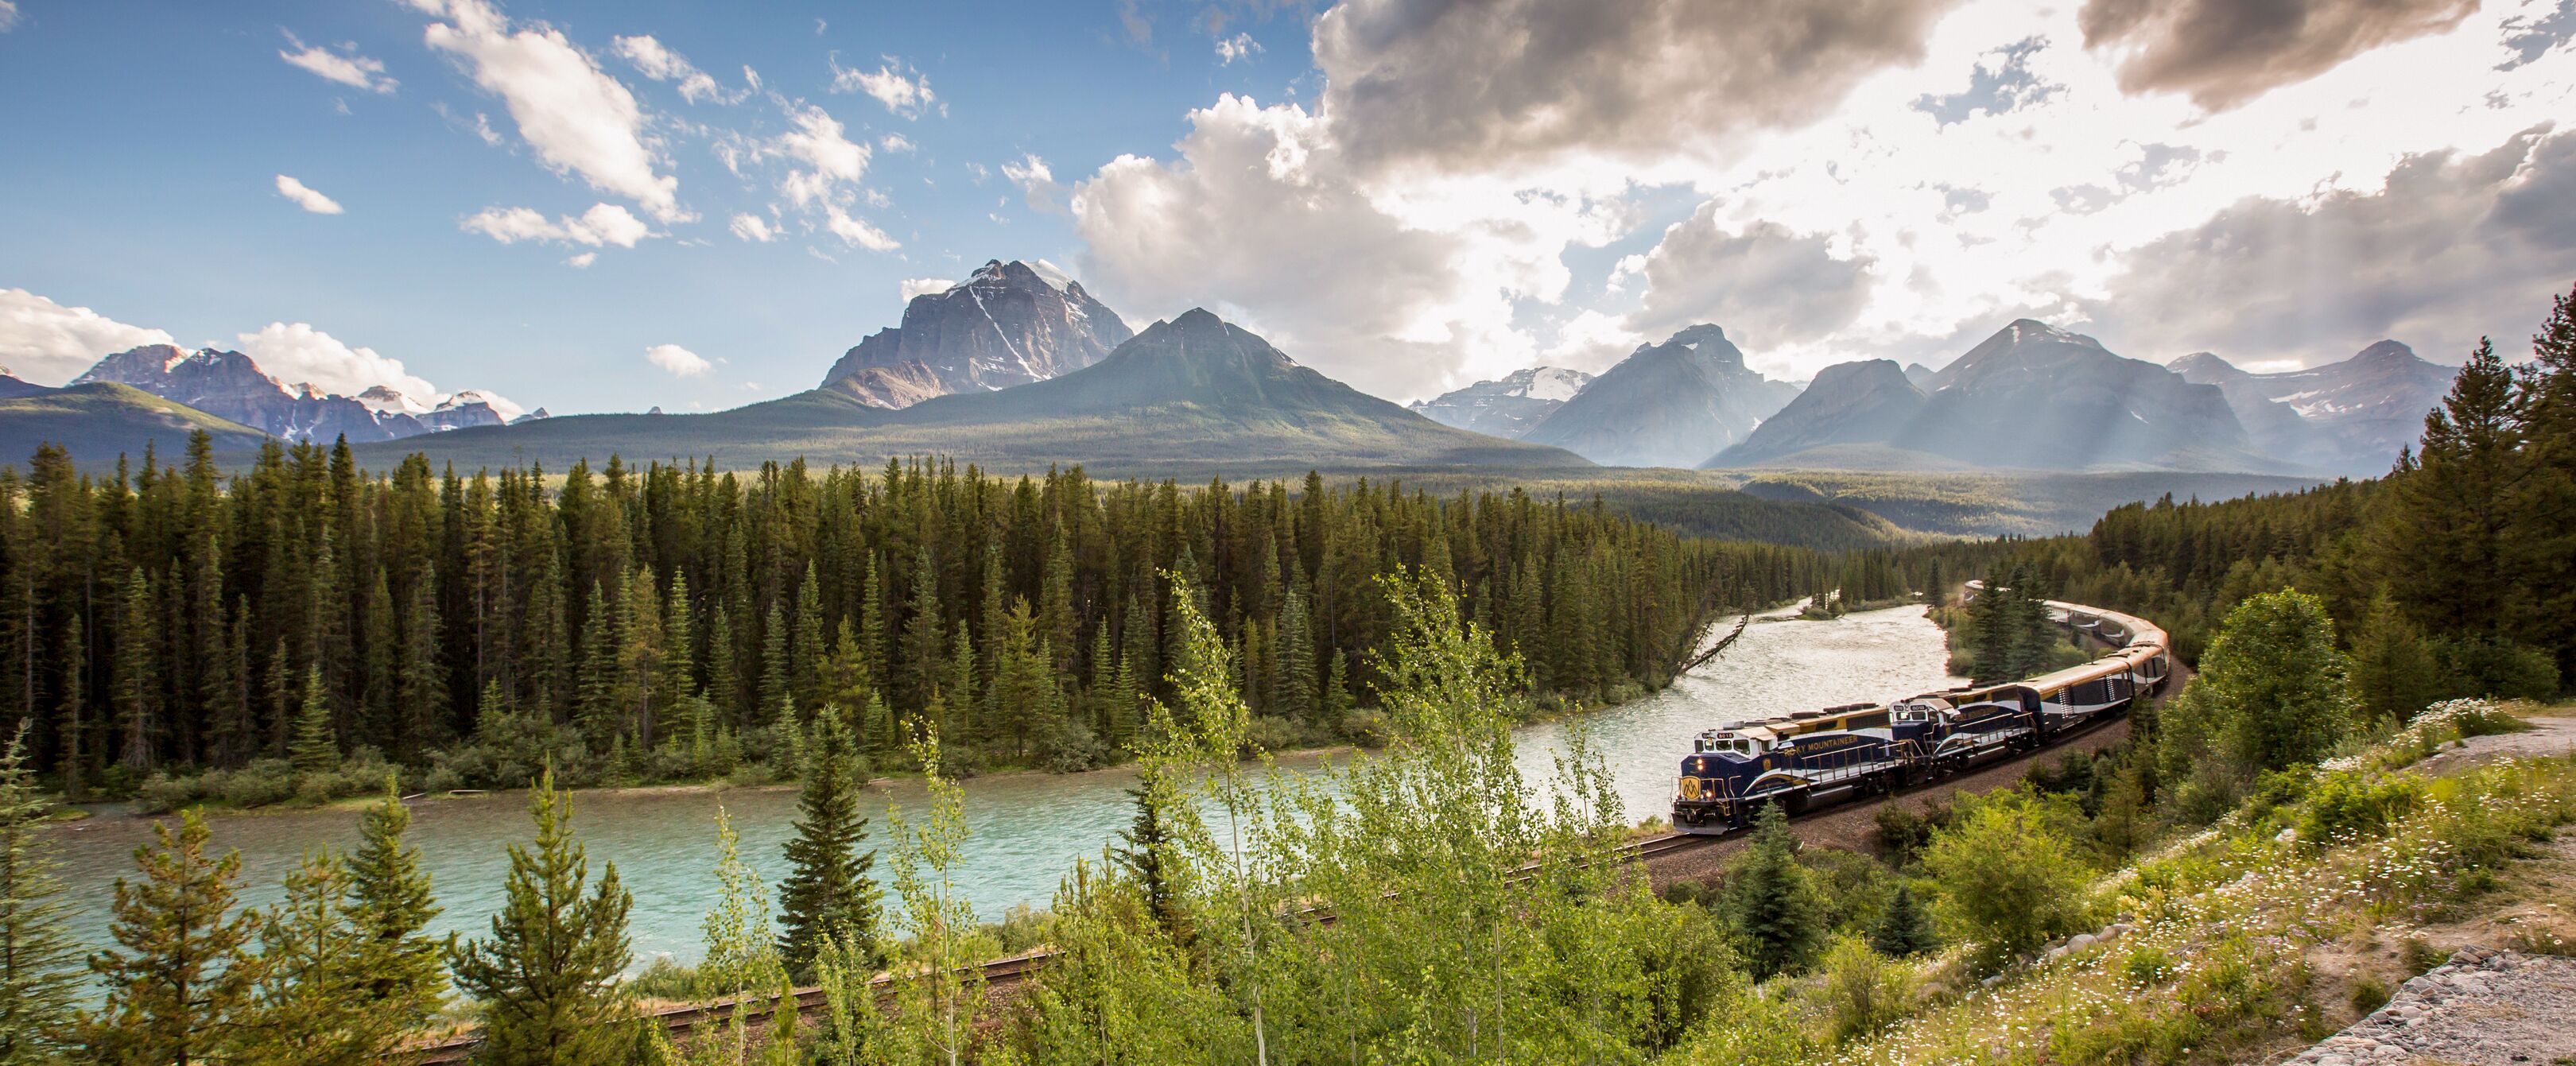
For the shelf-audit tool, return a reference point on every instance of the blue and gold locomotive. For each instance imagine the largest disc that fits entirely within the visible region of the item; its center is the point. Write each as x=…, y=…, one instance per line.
x=1863, y=748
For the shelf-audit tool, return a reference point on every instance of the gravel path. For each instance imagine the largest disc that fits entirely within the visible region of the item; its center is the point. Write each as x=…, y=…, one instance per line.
x=2552, y=732
x=2483, y=1007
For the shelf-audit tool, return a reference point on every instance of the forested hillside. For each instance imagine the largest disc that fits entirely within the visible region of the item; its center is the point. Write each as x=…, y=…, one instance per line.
x=663, y=621
x=2456, y=573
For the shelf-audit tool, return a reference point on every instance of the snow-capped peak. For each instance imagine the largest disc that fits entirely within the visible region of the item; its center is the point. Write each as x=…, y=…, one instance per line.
x=499, y=404
x=383, y=400
x=1554, y=383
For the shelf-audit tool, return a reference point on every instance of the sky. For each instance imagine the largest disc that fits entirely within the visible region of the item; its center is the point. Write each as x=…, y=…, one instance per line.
x=596, y=206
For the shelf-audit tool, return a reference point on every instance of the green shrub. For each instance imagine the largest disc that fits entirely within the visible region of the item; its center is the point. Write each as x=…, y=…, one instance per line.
x=1864, y=991
x=2349, y=804
x=2009, y=877
x=2369, y=993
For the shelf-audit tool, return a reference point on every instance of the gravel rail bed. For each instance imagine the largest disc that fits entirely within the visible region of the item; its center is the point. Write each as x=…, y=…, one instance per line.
x=2483, y=1007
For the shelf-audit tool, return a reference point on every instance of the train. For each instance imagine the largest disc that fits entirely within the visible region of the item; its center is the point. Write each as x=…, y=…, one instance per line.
x=1811, y=757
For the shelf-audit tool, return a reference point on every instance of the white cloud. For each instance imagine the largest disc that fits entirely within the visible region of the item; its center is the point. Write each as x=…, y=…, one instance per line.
x=297, y=352
x=582, y=261
x=912, y=287
x=305, y=197
x=903, y=90
x=49, y=344
x=1239, y=46
x=831, y=159
x=350, y=69
x=651, y=58
x=8, y=15
x=895, y=142
x=1895, y=178
x=576, y=118
x=1260, y=219
x=603, y=224
x=1035, y=180
x=857, y=231
x=753, y=228
x=679, y=361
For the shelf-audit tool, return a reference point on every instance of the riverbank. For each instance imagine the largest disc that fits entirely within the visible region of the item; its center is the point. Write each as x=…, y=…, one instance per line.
x=1028, y=828
x=270, y=787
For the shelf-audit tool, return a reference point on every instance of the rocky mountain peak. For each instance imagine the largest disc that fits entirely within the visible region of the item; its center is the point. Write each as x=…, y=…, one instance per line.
x=2206, y=368
x=231, y=385
x=1008, y=323
x=2388, y=353
x=1507, y=406
x=1675, y=403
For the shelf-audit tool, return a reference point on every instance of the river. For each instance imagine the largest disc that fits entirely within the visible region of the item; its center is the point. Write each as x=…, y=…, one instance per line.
x=1028, y=829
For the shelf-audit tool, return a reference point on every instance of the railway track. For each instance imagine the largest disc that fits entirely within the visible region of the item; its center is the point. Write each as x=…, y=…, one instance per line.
x=681, y=1021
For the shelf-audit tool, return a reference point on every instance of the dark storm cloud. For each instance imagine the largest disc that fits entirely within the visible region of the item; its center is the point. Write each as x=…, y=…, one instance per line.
x=1767, y=284
x=2225, y=52
x=2455, y=247
x=1468, y=85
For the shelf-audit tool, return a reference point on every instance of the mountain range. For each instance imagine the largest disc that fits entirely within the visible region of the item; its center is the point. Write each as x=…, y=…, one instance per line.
x=2348, y=417
x=1192, y=395
x=231, y=386
x=1671, y=404
x=2031, y=397
x=1005, y=325
x=1018, y=366
x=1506, y=407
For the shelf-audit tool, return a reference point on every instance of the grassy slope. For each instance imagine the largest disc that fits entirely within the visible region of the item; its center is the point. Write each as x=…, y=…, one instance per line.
x=98, y=422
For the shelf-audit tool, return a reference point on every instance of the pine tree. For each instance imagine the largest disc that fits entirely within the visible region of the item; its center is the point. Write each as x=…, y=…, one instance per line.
x=1144, y=851
x=1296, y=651
x=925, y=643
x=178, y=991
x=827, y=892
x=390, y=904
x=311, y=1009
x=724, y=682
x=1904, y=928
x=38, y=979
x=315, y=750
x=137, y=679
x=1337, y=693
x=1024, y=692
x=774, y=692
x=421, y=682
x=2394, y=674
x=547, y=976
x=806, y=655
x=74, y=725
x=1773, y=902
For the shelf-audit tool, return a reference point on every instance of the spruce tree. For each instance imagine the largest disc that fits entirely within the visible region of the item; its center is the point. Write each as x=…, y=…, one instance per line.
x=74, y=723
x=1145, y=852
x=1904, y=928
x=315, y=749
x=1772, y=900
x=547, y=976
x=2394, y=673
x=774, y=694
x=311, y=1009
x=420, y=678
x=827, y=892
x=390, y=905
x=38, y=979
x=179, y=990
